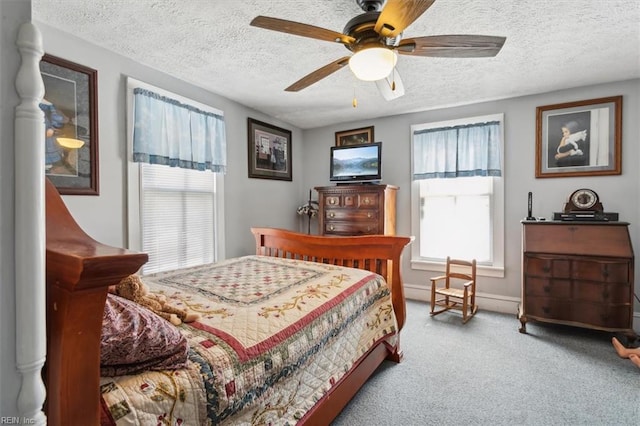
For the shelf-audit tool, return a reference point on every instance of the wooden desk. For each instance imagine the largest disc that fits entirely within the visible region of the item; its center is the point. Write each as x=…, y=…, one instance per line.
x=578, y=273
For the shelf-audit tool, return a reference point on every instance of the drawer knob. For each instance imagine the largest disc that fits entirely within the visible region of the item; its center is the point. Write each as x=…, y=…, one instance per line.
x=332, y=214
x=546, y=289
x=369, y=215
x=332, y=201
x=331, y=228
x=367, y=201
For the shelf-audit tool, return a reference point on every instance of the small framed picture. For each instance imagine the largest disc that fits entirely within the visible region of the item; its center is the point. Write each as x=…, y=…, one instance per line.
x=70, y=109
x=269, y=151
x=579, y=138
x=355, y=136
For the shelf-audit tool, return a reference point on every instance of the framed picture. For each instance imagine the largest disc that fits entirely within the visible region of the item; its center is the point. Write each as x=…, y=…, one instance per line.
x=579, y=138
x=355, y=136
x=70, y=107
x=269, y=151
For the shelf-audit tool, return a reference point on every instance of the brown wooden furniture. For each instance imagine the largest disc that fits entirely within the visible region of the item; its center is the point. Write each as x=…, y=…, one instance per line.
x=376, y=253
x=80, y=269
x=456, y=289
x=578, y=273
x=364, y=209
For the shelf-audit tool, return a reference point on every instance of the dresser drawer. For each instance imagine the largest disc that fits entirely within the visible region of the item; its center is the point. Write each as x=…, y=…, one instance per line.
x=601, y=270
x=547, y=266
x=550, y=308
x=333, y=201
x=353, y=214
x=351, y=228
x=545, y=287
x=605, y=316
x=605, y=293
x=368, y=201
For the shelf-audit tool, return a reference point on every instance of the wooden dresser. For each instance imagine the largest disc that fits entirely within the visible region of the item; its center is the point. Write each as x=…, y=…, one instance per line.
x=363, y=209
x=578, y=273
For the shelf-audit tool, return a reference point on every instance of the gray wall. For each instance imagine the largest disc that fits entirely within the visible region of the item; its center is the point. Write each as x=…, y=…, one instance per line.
x=618, y=193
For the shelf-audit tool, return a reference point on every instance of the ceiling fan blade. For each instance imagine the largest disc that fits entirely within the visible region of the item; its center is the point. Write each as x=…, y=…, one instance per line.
x=452, y=46
x=391, y=87
x=318, y=74
x=304, y=30
x=397, y=15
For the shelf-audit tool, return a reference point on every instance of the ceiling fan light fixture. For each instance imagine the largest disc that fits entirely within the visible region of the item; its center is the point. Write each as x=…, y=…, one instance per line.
x=373, y=63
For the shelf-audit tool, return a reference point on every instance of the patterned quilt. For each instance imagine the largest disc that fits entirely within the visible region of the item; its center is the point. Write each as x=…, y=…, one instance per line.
x=274, y=337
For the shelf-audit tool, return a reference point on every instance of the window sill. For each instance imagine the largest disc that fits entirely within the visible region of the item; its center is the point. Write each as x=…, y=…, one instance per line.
x=482, y=270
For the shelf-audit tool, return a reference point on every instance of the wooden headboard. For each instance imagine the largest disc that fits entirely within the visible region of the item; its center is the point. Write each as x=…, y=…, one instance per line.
x=79, y=271
x=377, y=253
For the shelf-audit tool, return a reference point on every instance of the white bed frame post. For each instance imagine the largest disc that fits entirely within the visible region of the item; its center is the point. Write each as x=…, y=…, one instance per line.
x=30, y=240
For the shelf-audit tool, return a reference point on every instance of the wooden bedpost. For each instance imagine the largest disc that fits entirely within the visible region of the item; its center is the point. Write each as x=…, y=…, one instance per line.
x=79, y=271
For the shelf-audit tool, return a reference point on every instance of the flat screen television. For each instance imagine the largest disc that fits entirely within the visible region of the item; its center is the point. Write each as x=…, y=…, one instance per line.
x=356, y=163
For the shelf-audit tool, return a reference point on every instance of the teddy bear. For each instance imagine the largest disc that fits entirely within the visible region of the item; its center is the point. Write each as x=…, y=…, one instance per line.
x=134, y=289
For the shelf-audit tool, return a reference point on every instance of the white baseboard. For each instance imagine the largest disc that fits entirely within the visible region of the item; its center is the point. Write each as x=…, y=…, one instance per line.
x=486, y=301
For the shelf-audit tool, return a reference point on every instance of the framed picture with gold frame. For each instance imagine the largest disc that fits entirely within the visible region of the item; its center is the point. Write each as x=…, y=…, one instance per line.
x=355, y=136
x=581, y=138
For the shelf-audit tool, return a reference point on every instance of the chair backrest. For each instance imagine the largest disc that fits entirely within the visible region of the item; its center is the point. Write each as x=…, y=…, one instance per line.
x=461, y=269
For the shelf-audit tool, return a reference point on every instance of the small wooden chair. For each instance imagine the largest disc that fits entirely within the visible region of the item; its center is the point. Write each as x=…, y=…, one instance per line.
x=463, y=298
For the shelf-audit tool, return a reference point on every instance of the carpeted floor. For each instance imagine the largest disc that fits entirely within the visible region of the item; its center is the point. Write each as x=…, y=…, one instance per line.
x=487, y=373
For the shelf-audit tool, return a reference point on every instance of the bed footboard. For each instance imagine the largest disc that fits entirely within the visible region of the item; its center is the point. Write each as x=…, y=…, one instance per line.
x=79, y=271
x=377, y=253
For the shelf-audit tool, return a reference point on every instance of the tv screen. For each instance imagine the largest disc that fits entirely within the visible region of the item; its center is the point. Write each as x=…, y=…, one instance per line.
x=356, y=163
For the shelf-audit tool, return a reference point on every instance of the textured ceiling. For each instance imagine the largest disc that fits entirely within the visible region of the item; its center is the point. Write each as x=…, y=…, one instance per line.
x=551, y=44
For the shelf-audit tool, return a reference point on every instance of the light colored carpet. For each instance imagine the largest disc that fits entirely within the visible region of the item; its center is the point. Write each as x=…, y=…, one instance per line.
x=487, y=373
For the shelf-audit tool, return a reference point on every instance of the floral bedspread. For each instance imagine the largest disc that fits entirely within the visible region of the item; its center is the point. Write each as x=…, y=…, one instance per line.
x=274, y=337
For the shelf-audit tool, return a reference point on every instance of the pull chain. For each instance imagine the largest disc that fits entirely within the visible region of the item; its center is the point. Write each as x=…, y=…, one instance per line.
x=393, y=80
x=354, y=102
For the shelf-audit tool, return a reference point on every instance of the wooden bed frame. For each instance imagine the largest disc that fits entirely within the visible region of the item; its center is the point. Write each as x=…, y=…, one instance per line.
x=79, y=270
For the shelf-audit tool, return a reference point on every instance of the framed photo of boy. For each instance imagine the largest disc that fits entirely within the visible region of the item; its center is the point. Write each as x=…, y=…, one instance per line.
x=355, y=136
x=269, y=150
x=70, y=108
x=581, y=138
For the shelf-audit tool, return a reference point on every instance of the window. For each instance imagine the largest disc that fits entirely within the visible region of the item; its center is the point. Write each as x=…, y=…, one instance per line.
x=454, y=211
x=177, y=217
x=175, y=214
x=457, y=213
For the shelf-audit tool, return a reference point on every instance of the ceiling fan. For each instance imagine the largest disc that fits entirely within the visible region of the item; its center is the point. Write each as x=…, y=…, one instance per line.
x=375, y=36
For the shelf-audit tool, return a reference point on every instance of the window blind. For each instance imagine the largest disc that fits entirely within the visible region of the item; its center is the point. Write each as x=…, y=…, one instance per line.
x=178, y=217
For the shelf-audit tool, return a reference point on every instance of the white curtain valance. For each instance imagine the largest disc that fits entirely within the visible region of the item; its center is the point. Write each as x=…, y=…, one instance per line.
x=458, y=151
x=169, y=132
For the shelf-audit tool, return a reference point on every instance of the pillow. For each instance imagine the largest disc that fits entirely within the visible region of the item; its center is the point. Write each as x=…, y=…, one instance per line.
x=135, y=339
